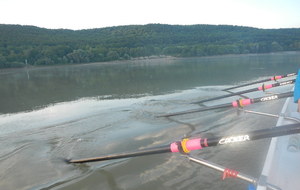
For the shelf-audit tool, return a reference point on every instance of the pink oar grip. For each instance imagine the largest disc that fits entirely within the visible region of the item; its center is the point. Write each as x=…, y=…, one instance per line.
x=174, y=147
x=193, y=144
x=244, y=102
x=266, y=87
x=276, y=77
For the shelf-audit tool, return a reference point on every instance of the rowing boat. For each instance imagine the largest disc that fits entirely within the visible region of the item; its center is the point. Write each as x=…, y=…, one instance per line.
x=282, y=164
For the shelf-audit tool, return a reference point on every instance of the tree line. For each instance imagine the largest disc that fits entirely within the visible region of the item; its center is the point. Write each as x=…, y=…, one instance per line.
x=39, y=46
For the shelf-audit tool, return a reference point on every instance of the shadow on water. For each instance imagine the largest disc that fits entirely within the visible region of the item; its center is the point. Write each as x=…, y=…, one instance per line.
x=107, y=179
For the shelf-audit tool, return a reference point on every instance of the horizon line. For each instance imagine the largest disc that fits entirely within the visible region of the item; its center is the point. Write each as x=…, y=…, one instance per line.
x=93, y=28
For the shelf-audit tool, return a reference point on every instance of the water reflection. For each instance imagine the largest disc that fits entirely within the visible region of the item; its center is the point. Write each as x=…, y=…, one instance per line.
x=19, y=92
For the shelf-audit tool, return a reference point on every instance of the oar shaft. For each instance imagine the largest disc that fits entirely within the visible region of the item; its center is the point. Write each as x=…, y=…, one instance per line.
x=264, y=80
x=198, y=110
x=157, y=150
x=226, y=96
x=187, y=145
x=238, y=103
x=256, y=135
x=272, y=97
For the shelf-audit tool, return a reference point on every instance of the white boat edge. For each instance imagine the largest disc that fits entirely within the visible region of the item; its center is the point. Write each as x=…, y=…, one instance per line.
x=282, y=163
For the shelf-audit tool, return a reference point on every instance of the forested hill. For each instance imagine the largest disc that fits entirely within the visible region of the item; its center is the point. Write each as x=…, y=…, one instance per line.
x=41, y=46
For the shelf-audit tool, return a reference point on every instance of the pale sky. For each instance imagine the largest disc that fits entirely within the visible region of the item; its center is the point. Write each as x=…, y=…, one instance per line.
x=86, y=14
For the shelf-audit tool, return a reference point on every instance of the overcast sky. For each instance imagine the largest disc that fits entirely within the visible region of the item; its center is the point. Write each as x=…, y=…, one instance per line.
x=85, y=14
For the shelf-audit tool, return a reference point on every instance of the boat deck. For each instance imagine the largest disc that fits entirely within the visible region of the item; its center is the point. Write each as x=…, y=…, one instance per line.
x=282, y=164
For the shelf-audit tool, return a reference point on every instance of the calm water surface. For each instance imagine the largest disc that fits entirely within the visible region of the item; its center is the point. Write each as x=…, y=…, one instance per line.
x=47, y=114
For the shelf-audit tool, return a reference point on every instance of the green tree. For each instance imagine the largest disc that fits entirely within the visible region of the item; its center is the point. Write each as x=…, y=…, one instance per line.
x=78, y=56
x=275, y=46
x=42, y=46
x=113, y=55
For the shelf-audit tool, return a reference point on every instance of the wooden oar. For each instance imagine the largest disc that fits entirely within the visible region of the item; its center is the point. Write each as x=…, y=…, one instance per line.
x=263, y=80
x=263, y=87
x=238, y=103
x=186, y=145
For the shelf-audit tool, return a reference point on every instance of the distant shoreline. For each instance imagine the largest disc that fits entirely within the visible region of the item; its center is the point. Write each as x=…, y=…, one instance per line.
x=33, y=67
x=39, y=46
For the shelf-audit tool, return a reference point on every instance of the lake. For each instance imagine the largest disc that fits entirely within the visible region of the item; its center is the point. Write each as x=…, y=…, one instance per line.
x=48, y=114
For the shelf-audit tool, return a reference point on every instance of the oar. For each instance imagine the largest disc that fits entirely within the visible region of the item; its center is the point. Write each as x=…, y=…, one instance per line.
x=238, y=103
x=263, y=80
x=186, y=145
x=263, y=87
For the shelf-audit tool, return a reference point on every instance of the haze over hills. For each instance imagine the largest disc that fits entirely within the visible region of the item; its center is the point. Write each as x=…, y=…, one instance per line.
x=40, y=46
